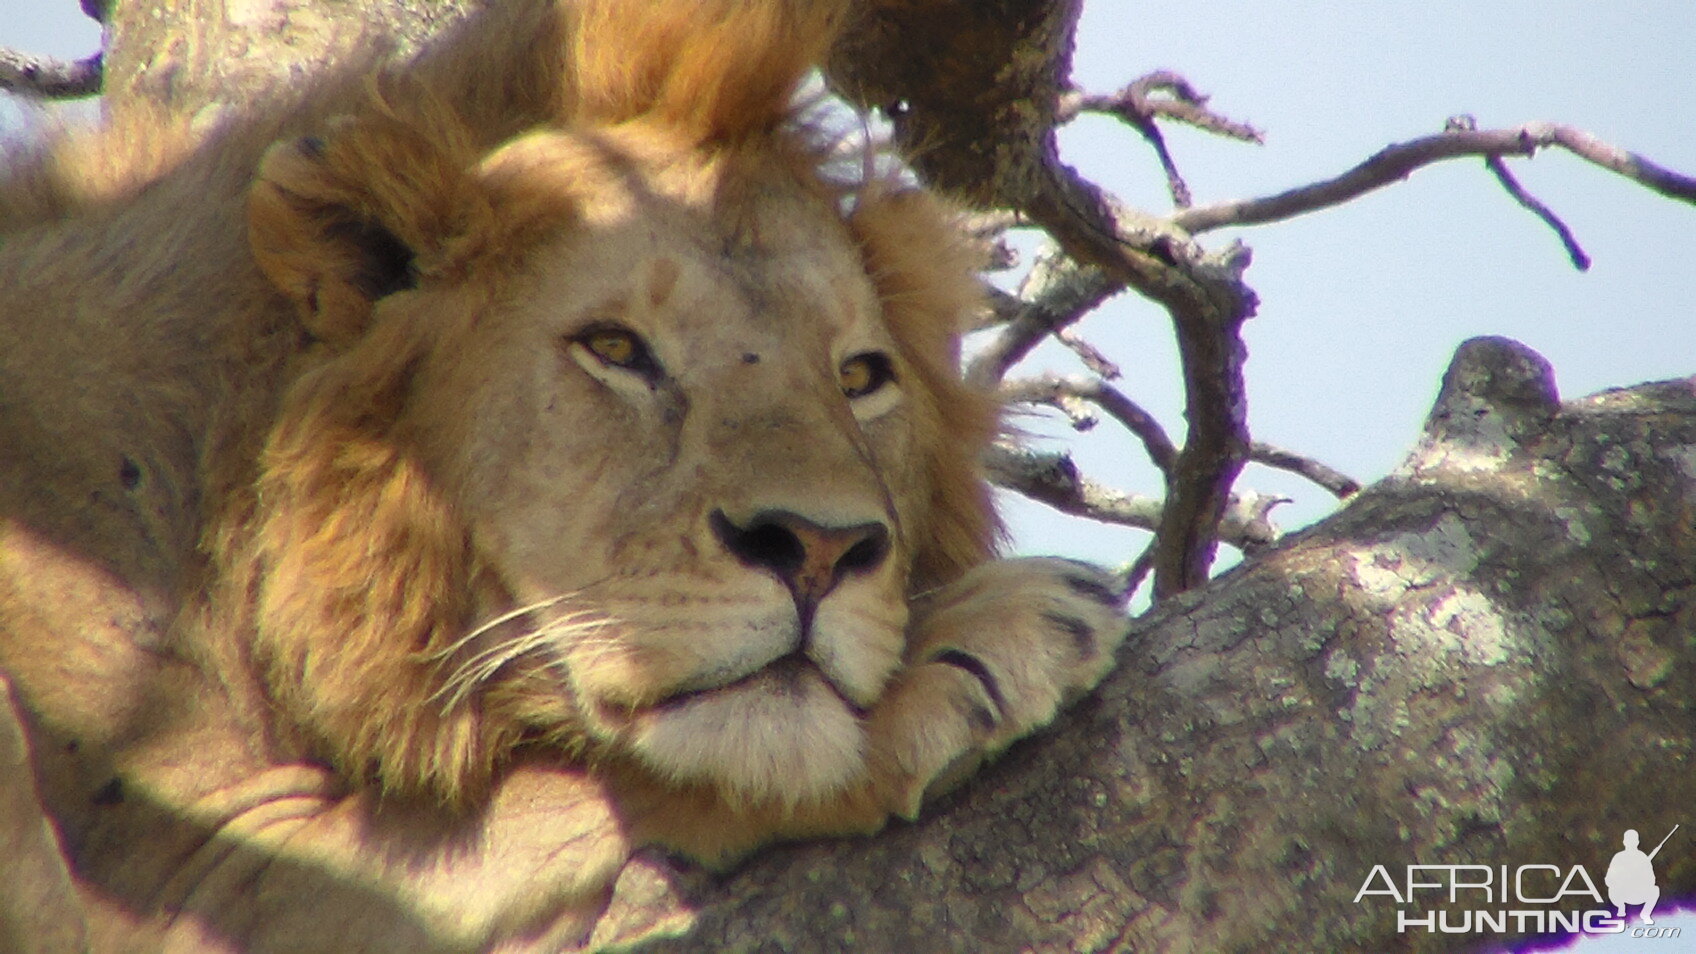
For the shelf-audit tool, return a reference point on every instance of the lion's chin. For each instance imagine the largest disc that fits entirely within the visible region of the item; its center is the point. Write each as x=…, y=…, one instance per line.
x=782, y=734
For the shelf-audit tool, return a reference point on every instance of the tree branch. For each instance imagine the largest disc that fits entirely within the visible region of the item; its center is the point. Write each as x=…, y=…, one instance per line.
x=1091, y=356
x=1398, y=161
x=1055, y=293
x=43, y=77
x=1053, y=390
x=1208, y=302
x=1340, y=485
x=1054, y=479
x=1574, y=251
x=1138, y=107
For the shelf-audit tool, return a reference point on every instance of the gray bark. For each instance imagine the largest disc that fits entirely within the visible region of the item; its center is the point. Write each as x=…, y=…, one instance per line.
x=203, y=57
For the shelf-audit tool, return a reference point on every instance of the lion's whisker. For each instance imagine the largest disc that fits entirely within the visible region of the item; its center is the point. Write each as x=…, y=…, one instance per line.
x=481, y=667
x=506, y=617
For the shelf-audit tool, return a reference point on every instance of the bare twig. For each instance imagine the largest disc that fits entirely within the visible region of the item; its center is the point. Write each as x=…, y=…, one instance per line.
x=1396, y=162
x=1000, y=309
x=1574, y=251
x=1139, y=571
x=46, y=78
x=1053, y=479
x=991, y=224
x=1057, y=292
x=1248, y=520
x=990, y=228
x=1340, y=485
x=1079, y=413
x=1092, y=358
x=1466, y=123
x=1053, y=390
x=1162, y=94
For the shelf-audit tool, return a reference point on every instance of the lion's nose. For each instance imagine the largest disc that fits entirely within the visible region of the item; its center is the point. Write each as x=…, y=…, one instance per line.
x=808, y=557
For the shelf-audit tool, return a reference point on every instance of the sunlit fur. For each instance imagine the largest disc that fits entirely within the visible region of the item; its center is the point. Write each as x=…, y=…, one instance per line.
x=436, y=532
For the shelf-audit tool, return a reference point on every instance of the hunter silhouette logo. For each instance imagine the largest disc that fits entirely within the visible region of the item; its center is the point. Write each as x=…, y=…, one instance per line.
x=1524, y=899
x=1631, y=877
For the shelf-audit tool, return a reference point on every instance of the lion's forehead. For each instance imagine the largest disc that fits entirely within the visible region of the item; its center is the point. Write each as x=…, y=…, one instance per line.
x=690, y=284
x=690, y=238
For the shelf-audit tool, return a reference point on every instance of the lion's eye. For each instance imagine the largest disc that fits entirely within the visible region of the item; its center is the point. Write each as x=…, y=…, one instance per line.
x=618, y=347
x=864, y=373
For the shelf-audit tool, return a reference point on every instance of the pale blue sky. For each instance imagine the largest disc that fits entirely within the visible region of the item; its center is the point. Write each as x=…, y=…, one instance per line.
x=1361, y=306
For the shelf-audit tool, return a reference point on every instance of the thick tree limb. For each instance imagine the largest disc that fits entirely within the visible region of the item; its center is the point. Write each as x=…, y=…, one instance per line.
x=975, y=113
x=1396, y=162
x=1481, y=660
x=43, y=77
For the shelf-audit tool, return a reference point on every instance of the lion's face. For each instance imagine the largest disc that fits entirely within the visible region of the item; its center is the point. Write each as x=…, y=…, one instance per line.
x=695, y=431
x=682, y=429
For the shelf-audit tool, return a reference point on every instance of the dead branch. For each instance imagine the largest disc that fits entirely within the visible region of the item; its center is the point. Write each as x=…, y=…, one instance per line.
x=990, y=230
x=1057, y=292
x=1499, y=168
x=1052, y=478
x=1208, y=302
x=1138, y=106
x=1053, y=391
x=1574, y=251
x=1092, y=357
x=1339, y=484
x=1000, y=308
x=41, y=77
x=1396, y=162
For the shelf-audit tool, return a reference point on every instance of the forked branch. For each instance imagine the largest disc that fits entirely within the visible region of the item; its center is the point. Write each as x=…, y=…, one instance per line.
x=1208, y=302
x=1161, y=94
x=1055, y=391
x=1397, y=162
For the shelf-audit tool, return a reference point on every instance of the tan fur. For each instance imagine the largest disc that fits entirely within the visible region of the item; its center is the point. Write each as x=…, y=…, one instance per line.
x=401, y=520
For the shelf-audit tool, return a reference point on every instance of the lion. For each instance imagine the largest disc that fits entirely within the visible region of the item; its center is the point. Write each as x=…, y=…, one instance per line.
x=432, y=488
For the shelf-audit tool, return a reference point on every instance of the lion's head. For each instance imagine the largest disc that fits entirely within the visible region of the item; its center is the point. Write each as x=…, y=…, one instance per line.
x=632, y=435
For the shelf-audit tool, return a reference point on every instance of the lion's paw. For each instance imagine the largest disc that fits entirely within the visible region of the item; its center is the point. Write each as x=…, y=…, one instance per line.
x=992, y=658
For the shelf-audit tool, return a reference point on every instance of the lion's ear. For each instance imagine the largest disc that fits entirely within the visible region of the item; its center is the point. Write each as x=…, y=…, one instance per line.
x=340, y=221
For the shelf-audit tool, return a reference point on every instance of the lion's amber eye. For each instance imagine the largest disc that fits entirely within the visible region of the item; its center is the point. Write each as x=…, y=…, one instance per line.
x=617, y=347
x=864, y=373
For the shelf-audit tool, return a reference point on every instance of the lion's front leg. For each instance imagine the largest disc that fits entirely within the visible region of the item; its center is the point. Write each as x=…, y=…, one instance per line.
x=991, y=658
